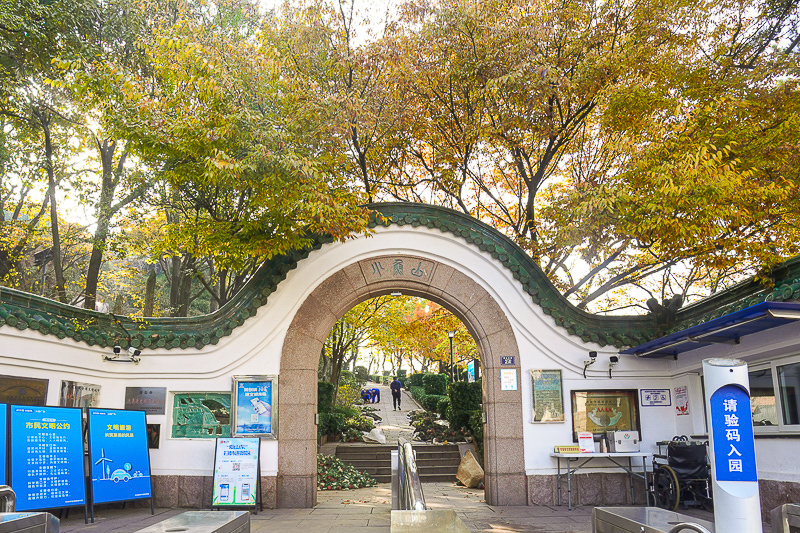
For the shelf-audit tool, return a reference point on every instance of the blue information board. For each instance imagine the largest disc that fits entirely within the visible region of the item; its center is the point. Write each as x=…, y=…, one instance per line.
x=3, y=443
x=46, y=457
x=732, y=427
x=118, y=455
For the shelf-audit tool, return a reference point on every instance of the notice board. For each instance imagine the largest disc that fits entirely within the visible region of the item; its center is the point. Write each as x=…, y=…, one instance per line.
x=236, y=472
x=118, y=455
x=46, y=457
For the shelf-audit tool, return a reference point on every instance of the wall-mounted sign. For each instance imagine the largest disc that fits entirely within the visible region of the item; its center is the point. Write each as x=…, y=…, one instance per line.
x=655, y=397
x=732, y=427
x=507, y=360
x=548, y=399
x=46, y=457
x=201, y=415
x=23, y=391
x=118, y=455
x=599, y=411
x=254, y=406
x=682, y=401
x=236, y=472
x=3, y=443
x=76, y=394
x=508, y=379
x=151, y=400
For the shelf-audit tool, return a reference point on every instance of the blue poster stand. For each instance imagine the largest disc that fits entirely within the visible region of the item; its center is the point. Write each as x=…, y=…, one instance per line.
x=4, y=443
x=119, y=458
x=46, y=467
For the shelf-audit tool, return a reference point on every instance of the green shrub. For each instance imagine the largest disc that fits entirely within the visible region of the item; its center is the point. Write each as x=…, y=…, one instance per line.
x=431, y=402
x=415, y=380
x=435, y=384
x=458, y=419
x=465, y=396
x=349, y=411
x=476, y=427
x=443, y=406
x=401, y=374
x=331, y=424
x=361, y=373
x=324, y=396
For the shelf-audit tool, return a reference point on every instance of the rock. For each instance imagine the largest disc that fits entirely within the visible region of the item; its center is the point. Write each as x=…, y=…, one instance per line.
x=376, y=435
x=470, y=472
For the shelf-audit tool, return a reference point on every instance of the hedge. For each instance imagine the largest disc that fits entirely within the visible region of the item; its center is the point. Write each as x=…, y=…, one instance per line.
x=476, y=426
x=415, y=380
x=443, y=406
x=465, y=398
x=324, y=396
x=435, y=384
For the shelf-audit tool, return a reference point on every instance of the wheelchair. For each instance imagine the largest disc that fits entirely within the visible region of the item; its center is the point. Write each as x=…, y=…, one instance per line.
x=682, y=476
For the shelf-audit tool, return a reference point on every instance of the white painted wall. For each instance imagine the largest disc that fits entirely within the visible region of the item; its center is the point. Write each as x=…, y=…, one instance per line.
x=255, y=348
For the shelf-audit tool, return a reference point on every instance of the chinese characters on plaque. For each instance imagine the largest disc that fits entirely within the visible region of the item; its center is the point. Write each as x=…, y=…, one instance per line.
x=151, y=400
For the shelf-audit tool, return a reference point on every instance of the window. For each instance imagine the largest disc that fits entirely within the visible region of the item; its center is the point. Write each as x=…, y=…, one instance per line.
x=789, y=384
x=775, y=396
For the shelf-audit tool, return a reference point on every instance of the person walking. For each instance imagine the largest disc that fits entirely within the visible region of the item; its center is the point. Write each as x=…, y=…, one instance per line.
x=396, y=386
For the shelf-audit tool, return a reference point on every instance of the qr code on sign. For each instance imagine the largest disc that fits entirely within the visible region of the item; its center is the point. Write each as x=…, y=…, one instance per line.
x=237, y=466
x=254, y=417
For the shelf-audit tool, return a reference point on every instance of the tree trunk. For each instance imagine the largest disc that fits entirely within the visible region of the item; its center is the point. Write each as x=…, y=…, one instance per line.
x=150, y=294
x=58, y=270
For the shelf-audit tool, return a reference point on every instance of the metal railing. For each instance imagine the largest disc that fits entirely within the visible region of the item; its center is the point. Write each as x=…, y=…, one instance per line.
x=406, y=482
x=8, y=499
x=689, y=526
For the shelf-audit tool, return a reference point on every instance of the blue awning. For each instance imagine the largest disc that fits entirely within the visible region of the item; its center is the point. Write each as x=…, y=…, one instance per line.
x=725, y=329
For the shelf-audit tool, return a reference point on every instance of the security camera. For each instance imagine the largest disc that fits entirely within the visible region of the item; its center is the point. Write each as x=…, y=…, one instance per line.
x=613, y=360
x=588, y=362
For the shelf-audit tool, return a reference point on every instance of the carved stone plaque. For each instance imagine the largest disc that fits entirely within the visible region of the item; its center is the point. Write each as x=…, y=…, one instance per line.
x=394, y=267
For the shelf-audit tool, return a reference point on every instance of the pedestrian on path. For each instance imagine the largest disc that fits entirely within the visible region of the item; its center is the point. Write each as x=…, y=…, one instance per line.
x=396, y=386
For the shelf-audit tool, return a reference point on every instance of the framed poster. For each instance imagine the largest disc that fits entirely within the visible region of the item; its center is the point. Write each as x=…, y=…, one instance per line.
x=151, y=400
x=119, y=458
x=236, y=472
x=253, y=406
x=76, y=394
x=508, y=379
x=46, y=457
x=655, y=397
x=201, y=415
x=23, y=391
x=598, y=411
x=681, y=401
x=548, y=398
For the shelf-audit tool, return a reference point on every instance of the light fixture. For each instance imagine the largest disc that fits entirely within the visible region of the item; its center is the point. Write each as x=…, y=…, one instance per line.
x=133, y=356
x=612, y=361
x=395, y=293
x=588, y=362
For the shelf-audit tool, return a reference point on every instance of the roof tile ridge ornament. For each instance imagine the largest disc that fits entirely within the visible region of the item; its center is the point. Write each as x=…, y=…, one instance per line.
x=24, y=310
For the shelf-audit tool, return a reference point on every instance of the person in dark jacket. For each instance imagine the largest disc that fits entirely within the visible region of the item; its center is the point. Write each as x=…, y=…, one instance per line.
x=396, y=386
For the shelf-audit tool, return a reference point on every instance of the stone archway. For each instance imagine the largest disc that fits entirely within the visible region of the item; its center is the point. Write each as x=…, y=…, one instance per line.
x=506, y=482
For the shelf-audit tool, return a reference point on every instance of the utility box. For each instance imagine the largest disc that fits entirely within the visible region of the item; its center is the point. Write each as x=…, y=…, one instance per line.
x=623, y=441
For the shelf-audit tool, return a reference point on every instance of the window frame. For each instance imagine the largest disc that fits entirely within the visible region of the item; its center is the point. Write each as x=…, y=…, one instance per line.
x=782, y=428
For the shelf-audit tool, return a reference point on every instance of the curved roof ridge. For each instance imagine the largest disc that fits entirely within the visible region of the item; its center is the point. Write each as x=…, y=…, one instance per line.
x=23, y=310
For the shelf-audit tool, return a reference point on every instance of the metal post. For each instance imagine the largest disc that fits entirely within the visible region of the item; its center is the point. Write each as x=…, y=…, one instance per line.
x=737, y=506
x=450, y=334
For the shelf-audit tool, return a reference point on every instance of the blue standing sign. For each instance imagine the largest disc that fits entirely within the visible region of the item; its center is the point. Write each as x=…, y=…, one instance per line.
x=3, y=443
x=118, y=455
x=732, y=426
x=46, y=457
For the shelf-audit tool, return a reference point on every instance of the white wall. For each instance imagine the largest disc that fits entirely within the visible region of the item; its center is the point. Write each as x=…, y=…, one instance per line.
x=255, y=348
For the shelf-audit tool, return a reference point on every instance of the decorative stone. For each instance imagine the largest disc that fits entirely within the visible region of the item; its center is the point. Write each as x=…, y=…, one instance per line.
x=470, y=473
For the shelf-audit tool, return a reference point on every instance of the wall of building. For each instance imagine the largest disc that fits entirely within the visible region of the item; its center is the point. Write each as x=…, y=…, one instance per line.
x=256, y=347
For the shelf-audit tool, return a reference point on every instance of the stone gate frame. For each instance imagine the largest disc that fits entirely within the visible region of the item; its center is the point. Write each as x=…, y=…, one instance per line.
x=416, y=276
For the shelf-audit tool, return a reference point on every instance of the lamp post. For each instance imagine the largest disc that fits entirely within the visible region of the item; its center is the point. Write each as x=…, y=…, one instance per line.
x=451, y=334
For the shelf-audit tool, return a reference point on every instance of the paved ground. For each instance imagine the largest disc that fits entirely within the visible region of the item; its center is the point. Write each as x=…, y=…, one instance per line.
x=369, y=510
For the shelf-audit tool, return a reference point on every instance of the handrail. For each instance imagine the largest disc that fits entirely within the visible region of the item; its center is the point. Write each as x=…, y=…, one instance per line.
x=411, y=496
x=690, y=526
x=8, y=499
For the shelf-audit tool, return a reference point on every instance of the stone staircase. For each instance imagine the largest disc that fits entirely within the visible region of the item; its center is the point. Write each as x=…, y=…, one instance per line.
x=434, y=463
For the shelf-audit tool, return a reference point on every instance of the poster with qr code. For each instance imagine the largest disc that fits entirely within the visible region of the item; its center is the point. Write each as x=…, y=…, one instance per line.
x=254, y=406
x=235, y=472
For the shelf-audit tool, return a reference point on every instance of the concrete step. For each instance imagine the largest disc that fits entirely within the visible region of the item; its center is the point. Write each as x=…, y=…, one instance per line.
x=434, y=463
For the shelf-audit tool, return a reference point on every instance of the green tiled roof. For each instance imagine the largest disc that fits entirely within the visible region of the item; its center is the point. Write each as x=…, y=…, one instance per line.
x=23, y=310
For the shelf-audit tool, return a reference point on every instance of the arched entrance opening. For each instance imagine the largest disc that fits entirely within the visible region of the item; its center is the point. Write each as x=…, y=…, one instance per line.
x=450, y=287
